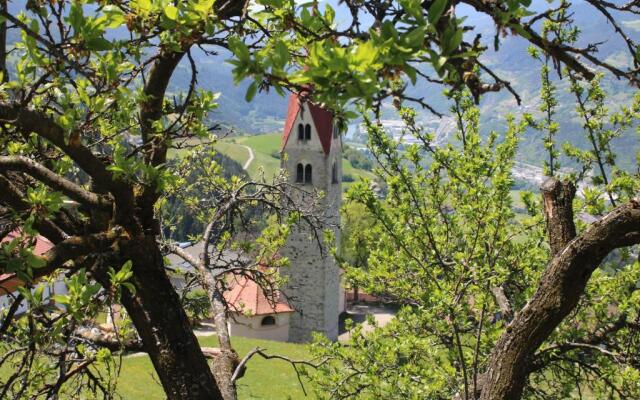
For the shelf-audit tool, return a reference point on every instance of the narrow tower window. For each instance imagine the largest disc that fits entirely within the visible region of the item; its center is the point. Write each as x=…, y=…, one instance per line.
x=300, y=132
x=307, y=174
x=335, y=131
x=300, y=174
x=334, y=173
x=307, y=132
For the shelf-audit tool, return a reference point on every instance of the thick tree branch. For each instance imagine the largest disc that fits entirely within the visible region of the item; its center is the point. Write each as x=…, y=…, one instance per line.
x=14, y=198
x=503, y=302
x=53, y=180
x=29, y=121
x=224, y=364
x=10, y=314
x=560, y=288
x=3, y=43
x=558, y=209
x=103, y=338
x=73, y=248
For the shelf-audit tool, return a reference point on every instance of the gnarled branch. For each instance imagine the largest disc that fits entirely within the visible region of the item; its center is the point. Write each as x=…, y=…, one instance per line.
x=560, y=288
x=53, y=180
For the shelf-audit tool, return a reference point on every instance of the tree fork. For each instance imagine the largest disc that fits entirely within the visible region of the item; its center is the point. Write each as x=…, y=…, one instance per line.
x=560, y=288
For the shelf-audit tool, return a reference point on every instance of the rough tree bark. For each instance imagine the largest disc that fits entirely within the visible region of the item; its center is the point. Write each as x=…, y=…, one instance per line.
x=560, y=288
x=226, y=359
x=557, y=199
x=163, y=326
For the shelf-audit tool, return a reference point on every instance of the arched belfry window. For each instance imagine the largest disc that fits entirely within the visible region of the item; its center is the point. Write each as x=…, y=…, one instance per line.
x=268, y=320
x=300, y=174
x=334, y=173
x=307, y=132
x=300, y=132
x=307, y=174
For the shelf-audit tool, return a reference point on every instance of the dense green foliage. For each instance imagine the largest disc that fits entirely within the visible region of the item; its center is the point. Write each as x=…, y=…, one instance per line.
x=444, y=241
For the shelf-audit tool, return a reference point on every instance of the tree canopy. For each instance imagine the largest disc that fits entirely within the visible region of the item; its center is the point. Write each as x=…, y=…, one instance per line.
x=495, y=304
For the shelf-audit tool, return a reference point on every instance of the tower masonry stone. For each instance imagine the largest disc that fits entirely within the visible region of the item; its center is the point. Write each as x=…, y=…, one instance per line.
x=311, y=153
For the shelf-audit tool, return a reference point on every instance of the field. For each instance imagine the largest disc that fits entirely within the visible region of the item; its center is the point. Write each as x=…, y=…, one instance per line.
x=264, y=379
x=264, y=148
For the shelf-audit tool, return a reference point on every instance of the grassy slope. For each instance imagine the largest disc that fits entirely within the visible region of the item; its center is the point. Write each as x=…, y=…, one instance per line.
x=264, y=379
x=263, y=147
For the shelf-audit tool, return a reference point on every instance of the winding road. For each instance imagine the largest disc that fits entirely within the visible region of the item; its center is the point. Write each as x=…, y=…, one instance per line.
x=250, y=159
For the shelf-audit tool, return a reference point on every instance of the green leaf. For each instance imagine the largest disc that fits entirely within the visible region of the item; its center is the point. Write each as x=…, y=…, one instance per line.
x=114, y=16
x=411, y=73
x=98, y=44
x=436, y=10
x=76, y=18
x=413, y=8
x=453, y=42
x=37, y=293
x=144, y=6
x=203, y=6
x=130, y=287
x=415, y=37
x=171, y=12
x=59, y=298
x=239, y=49
x=330, y=14
x=251, y=91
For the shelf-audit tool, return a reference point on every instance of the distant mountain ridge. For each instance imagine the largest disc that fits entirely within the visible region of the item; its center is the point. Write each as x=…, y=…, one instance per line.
x=267, y=110
x=512, y=62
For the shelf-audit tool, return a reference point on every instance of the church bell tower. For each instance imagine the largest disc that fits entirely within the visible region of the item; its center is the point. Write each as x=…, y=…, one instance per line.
x=311, y=153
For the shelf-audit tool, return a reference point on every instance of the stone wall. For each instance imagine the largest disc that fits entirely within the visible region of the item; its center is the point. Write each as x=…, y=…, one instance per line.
x=313, y=276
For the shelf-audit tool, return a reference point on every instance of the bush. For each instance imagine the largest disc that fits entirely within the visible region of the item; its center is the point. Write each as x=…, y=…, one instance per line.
x=347, y=178
x=358, y=159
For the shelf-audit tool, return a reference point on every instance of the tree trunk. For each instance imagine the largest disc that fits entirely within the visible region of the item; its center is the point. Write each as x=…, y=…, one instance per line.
x=560, y=287
x=224, y=365
x=557, y=198
x=226, y=359
x=164, y=328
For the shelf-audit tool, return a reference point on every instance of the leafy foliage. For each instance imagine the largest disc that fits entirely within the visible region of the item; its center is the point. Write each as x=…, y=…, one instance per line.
x=446, y=244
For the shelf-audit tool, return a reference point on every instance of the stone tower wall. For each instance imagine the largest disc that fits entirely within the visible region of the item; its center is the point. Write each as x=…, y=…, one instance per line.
x=313, y=276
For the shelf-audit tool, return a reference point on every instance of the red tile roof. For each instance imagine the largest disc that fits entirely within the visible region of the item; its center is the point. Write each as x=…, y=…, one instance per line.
x=322, y=119
x=8, y=282
x=247, y=297
x=42, y=243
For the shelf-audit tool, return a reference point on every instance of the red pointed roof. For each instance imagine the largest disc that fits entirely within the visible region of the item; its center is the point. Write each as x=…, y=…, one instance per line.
x=322, y=119
x=247, y=297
